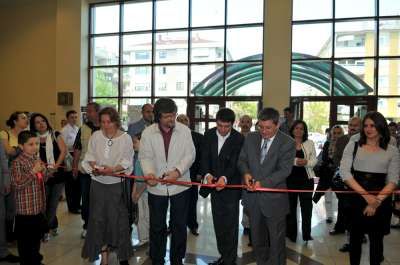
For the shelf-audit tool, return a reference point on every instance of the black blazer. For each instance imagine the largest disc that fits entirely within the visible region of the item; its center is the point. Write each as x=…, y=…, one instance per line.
x=224, y=164
x=198, y=143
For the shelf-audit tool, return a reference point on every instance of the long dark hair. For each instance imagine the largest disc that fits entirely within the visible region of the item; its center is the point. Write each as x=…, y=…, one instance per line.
x=32, y=122
x=297, y=122
x=381, y=127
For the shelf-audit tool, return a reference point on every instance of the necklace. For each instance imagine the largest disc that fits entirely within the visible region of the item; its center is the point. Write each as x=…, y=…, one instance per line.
x=110, y=140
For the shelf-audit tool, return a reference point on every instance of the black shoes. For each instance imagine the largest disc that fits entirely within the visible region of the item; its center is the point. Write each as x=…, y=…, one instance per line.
x=345, y=248
x=336, y=232
x=194, y=231
x=246, y=231
x=10, y=258
x=220, y=261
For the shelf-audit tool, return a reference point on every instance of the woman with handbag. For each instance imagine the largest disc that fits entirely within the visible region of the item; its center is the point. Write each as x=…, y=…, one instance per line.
x=327, y=170
x=301, y=178
x=370, y=164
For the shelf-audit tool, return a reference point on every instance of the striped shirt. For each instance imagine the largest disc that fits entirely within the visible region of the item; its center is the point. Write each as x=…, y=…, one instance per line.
x=29, y=190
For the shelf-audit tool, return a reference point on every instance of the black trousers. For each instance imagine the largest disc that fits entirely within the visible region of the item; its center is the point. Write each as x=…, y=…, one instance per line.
x=158, y=206
x=375, y=245
x=29, y=234
x=306, y=211
x=85, y=181
x=225, y=212
x=342, y=221
x=72, y=192
x=192, y=213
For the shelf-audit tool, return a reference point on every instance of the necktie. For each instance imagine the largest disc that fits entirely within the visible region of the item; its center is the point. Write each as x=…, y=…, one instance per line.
x=264, y=150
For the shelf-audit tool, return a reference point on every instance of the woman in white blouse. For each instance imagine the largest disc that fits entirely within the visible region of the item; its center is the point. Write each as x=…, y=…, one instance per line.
x=110, y=152
x=301, y=178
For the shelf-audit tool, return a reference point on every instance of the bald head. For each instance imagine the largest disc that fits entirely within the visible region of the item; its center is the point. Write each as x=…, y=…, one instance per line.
x=182, y=118
x=245, y=124
x=354, y=125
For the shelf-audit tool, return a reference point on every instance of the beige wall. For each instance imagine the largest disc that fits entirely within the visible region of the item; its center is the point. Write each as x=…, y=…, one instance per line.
x=43, y=50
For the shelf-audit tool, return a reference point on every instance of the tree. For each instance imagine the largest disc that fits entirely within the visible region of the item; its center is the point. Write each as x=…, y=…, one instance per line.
x=316, y=114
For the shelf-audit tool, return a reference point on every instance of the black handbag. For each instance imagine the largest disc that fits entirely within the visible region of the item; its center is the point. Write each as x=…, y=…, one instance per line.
x=337, y=180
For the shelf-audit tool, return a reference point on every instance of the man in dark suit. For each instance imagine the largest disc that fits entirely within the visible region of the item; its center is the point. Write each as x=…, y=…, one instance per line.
x=266, y=160
x=220, y=153
x=194, y=176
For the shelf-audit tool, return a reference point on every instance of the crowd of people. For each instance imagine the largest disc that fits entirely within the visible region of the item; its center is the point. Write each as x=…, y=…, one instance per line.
x=93, y=160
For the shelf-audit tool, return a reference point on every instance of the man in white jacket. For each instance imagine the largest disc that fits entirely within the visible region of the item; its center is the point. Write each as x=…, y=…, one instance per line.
x=167, y=151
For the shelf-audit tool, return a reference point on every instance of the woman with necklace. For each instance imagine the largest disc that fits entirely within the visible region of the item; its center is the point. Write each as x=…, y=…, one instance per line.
x=371, y=164
x=110, y=152
x=52, y=152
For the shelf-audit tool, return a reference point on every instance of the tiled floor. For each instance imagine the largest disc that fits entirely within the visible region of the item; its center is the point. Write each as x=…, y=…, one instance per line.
x=65, y=249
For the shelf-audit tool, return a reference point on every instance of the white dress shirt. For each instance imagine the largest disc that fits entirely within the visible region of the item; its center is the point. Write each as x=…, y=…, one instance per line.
x=221, y=140
x=68, y=134
x=270, y=140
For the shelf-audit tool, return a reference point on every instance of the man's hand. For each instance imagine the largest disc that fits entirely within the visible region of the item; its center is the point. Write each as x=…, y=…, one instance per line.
x=248, y=180
x=106, y=170
x=220, y=184
x=151, y=181
x=209, y=179
x=172, y=176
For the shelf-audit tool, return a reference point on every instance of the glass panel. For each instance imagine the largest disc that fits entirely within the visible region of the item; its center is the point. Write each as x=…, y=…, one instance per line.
x=212, y=111
x=105, y=19
x=237, y=49
x=105, y=82
x=360, y=110
x=200, y=111
x=207, y=45
x=311, y=78
x=171, y=14
x=105, y=50
x=181, y=103
x=389, y=7
x=138, y=16
x=171, y=47
x=343, y=113
x=389, y=77
x=170, y=79
x=208, y=13
x=244, y=12
x=212, y=125
x=355, y=39
x=137, y=81
x=312, y=39
x=107, y=102
x=389, y=41
x=244, y=108
x=305, y=9
x=132, y=110
x=207, y=80
x=200, y=127
x=137, y=49
x=316, y=113
x=390, y=108
x=354, y=77
x=354, y=8
x=244, y=79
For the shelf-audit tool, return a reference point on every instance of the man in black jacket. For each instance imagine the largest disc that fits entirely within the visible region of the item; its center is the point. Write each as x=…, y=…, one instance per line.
x=220, y=153
x=194, y=176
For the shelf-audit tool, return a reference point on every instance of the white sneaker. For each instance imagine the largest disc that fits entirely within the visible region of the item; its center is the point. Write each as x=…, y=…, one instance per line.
x=46, y=238
x=83, y=234
x=54, y=232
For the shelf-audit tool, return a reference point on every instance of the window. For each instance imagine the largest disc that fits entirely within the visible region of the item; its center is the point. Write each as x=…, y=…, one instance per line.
x=336, y=51
x=142, y=50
